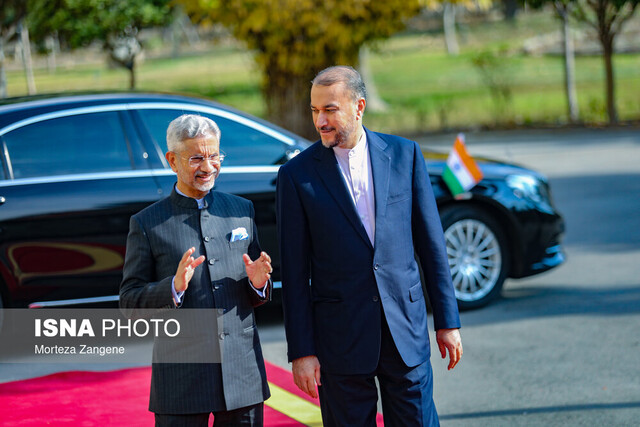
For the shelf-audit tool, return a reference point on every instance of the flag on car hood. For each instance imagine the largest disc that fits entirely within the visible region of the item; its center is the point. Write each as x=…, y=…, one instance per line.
x=461, y=172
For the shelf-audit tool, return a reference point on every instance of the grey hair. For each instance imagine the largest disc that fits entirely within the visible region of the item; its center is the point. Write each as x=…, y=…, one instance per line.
x=190, y=126
x=342, y=74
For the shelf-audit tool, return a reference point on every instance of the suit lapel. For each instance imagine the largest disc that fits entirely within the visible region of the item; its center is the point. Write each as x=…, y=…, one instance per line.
x=329, y=171
x=380, y=169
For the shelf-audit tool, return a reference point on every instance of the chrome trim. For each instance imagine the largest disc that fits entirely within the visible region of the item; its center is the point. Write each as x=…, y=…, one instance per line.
x=143, y=173
x=62, y=113
x=149, y=105
x=78, y=177
x=250, y=169
x=94, y=300
x=227, y=170
x=5, y=152
x=60, y=303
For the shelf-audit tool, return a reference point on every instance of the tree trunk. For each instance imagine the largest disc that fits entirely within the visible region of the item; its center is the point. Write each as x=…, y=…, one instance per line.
x=510, y=8
x=189, y=29
x=607, y=49
x=132, y=74
x=287, y=99
x=53, y=47
x=569, y=63
x=449, y=23
x=374, y=102
x=3, y=74
x=26, y=57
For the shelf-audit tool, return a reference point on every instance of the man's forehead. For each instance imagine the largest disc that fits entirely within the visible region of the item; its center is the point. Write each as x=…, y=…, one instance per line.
x=338, y=87
x=202, y=141
x=329, y=95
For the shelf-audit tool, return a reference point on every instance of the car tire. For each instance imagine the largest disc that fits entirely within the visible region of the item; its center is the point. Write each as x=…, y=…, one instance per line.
x=478, y=254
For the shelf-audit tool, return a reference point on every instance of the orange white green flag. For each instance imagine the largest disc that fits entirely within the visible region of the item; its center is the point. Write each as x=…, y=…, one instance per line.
x=461, y=172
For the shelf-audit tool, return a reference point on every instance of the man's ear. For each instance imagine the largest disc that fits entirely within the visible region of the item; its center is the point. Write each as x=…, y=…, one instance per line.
x=360, y=108
x=172, y=159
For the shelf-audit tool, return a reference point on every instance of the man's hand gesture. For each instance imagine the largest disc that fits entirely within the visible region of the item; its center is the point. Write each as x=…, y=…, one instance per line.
x=185, y=270
x=259, y=271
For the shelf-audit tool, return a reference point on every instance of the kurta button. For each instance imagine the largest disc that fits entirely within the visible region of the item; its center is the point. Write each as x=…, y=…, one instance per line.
x=206, y=238
x=375, y=298
x=375, y=267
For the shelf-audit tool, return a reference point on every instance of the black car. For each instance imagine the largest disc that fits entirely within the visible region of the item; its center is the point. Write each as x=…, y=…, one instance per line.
x=75, y=168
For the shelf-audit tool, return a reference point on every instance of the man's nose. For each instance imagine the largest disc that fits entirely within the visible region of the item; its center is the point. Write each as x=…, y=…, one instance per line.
x=207, y=165
x=321, y=120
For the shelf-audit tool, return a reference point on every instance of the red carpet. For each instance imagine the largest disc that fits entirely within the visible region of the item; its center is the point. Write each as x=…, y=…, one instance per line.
x=114, y=398
x=78, y=398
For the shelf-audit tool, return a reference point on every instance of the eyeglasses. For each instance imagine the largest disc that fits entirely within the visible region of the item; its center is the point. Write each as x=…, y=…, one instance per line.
x=195, y=161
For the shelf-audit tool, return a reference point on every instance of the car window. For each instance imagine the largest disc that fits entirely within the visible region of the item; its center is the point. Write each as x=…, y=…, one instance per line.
x=84, y=143
x=157, y=122
x=244, y=145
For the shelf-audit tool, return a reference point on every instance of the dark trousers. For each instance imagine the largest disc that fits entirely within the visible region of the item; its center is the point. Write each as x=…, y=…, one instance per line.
x=252, y=416
x=407, y=393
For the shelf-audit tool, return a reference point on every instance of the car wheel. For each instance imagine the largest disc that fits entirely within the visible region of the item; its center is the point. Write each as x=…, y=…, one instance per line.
x=477, y=252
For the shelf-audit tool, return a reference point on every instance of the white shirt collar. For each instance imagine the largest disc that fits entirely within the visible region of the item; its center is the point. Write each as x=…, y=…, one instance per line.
x=359, y=150
x=199, y=201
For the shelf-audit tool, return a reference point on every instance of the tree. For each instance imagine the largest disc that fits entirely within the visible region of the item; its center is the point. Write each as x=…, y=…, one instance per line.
x=449, y=8
x=25, y=54
x=113, y=23
x=294, y=39
x=509, y=10
x=11, y=13
x=563, y=10
x=607, y=17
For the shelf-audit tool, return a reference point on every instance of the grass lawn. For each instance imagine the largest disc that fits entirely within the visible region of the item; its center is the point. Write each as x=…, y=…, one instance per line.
x=424, y=87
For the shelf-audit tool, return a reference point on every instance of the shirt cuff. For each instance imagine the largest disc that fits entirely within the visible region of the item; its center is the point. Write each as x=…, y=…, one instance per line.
x=177, y=296
x=261, y=292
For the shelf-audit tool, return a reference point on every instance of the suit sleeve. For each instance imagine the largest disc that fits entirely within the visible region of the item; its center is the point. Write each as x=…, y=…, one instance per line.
x=254, y=252
x=294, y=239
x=430, y=247
x=138, y=288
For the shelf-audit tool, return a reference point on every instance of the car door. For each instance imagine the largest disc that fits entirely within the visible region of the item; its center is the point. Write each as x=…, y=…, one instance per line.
x=72, y=179
x=254, y=153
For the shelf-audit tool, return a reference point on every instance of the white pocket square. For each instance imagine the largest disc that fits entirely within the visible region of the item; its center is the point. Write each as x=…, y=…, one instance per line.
x=239, y=233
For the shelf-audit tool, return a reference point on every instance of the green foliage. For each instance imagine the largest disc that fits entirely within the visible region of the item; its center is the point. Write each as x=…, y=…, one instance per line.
x=11, y=11
x=80, y=22
x=425, y=88
x=294, y=39
x=295, y=35
x=114, y=23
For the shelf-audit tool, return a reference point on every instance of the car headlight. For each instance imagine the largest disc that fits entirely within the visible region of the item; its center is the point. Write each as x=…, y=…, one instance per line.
x=526, y=187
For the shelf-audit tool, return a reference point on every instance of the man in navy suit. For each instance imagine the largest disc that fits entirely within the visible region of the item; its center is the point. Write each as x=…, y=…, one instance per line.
x=353, y=211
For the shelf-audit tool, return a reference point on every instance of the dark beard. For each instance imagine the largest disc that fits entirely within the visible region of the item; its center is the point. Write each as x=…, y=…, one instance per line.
x=340, y=138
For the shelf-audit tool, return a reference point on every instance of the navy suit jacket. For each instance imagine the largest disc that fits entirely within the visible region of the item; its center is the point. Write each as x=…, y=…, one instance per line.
x=336, y=285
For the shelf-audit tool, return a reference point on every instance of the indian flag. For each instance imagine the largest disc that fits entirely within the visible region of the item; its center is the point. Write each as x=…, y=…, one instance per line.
x=461, y=172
